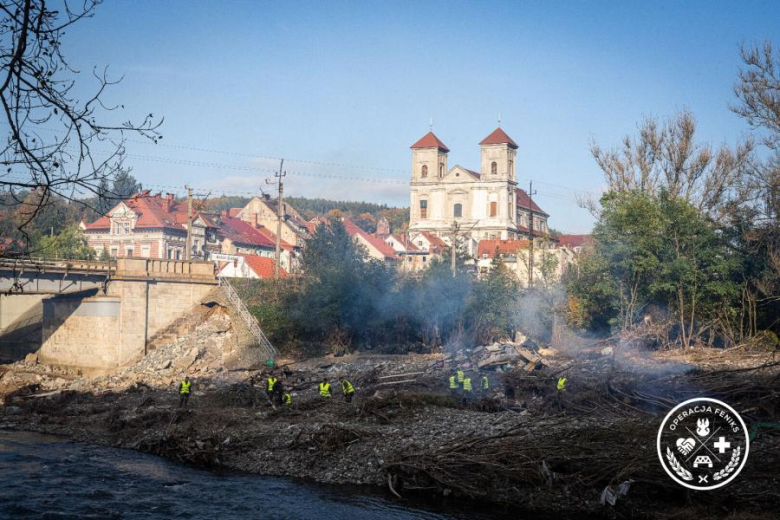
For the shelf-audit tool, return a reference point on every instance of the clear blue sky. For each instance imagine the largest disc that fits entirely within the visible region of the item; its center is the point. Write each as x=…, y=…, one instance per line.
x=356, y=83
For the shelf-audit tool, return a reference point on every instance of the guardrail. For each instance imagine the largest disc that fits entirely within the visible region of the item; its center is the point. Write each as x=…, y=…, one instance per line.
x=254, y=327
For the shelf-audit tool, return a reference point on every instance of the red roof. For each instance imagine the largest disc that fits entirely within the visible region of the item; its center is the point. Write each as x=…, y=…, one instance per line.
x=430, y=140
x=377, y=243
x=153, y=211
x=314, y=223
x=525, y=202
x=244, y=233
x=404, y=240
x=263, y=267
x=435, y=241
x=499, y=137
x=572, y=241
x=505, y=247
x=475, y=174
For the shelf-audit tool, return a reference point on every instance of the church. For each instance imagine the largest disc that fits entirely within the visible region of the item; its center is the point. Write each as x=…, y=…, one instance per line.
x=485, y=204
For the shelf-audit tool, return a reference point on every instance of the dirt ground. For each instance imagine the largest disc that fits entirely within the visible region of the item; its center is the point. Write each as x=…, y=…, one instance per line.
x=536, y=453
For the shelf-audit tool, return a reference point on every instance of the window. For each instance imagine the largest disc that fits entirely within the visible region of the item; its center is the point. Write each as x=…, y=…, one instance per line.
x=425, y=259
x=178, y=254
x=511, y=163
x=441, y=170
x=458, y=210
x=424, y=171
x=129, y=252
x=419, y=243
x=409, y=259
x=493, y=168
x=493, y=209
x=114, y=252
x=146, y=251
x=423, y=209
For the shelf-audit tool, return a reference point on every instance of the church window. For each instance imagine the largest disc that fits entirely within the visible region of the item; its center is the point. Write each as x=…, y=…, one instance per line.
x=511, y=163
x=493, y=209
x=458, y=210
x=423, y=209
x=424, y=170
x=493, y=168
x=441, y=170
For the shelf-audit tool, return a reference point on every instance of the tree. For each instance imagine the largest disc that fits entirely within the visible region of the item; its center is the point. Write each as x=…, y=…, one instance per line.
x=666, y=156
x=68, y=244
x=492, y=306
x=37, y=93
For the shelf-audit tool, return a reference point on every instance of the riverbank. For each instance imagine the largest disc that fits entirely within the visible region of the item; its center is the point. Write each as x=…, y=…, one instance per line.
x=539, y=453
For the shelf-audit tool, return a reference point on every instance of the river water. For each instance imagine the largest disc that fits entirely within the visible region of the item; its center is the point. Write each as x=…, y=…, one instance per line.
x=48, y=477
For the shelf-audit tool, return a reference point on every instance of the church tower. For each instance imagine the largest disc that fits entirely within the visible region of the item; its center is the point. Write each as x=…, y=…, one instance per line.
x=499, y=154
x=429, y=159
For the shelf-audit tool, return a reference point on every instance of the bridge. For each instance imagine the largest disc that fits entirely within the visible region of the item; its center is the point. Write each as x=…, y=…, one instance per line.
x=101, y=315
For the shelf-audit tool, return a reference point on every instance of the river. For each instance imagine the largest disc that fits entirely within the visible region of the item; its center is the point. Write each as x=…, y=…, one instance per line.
x=52, y=478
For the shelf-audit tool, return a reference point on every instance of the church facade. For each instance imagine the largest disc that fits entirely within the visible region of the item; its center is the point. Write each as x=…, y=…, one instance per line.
x=480, y=205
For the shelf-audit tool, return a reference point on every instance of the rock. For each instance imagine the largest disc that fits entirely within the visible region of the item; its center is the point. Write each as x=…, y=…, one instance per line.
x=31, y=358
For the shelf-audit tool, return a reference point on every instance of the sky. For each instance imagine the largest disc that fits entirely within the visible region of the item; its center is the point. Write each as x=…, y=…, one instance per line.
x=340, y=90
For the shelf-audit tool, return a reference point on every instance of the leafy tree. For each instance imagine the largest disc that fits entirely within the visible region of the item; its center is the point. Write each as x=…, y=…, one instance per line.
x=492, y=306
x=68, y=244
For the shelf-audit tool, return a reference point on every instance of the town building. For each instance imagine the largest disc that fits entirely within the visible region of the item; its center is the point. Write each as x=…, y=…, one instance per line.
x=551, y=259
x=376, y=248
x=247, y=266
x=477, y=205
x=151, y=226
x=261, y=211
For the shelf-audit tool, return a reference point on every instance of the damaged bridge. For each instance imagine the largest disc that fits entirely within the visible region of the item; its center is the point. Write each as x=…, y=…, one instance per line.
x=98, y=316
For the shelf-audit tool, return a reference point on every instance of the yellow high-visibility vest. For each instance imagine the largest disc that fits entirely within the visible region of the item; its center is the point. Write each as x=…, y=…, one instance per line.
x=324, y=389
x=347, y=388
x=561, y=384
x=485, y=383
x=271, y=383
x=286, y=398
x=460, y=376
x=185, y=387
x=453, y=383
x=467, y=384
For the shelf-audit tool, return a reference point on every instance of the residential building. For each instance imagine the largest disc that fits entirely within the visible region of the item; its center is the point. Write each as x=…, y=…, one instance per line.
x=376, y=248
x=247, y=266
x=151, y=226
x=550, y=260
x=261, y=211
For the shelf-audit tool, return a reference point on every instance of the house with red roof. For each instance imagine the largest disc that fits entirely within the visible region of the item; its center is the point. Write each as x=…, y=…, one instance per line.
x=249, y=266
x=549, y=265
x=483, y=204
x=376, y=248
x=152, y=226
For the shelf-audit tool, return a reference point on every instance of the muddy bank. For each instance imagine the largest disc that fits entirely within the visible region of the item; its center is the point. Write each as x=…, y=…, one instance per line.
x=544, y=454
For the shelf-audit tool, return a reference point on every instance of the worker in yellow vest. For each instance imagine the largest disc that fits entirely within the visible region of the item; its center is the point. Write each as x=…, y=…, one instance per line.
x=466, y=389
x=460, y=375
x=325, y=388
x=562, y=384
x=485, y=384
x=286, y=399
x=347, y=389
x=272, y=379
x=561, y=389
x=454, y=386
x=185, y=389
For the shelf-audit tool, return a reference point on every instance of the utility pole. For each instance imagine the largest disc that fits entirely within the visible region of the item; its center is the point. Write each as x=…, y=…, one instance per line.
x=453, y=244
x=531, y=230
x=279, y=216
x=188, y=254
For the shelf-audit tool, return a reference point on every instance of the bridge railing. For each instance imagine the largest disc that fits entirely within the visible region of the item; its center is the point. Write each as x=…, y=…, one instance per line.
x=69, y=264
x=251, y=322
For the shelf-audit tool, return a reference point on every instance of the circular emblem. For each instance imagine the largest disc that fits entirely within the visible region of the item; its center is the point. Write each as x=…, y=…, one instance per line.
x=703, y=443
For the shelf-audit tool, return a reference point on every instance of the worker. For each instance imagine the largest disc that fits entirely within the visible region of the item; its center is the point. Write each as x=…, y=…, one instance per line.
x=347, y=389
x=485, y=384
x=454, y=386
x=562, y=384
x=286, y=399
x=466, y=389
x=272, y=379
x=325, y=388
x=276, y=392
x=184, y=391
x=460, y=375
